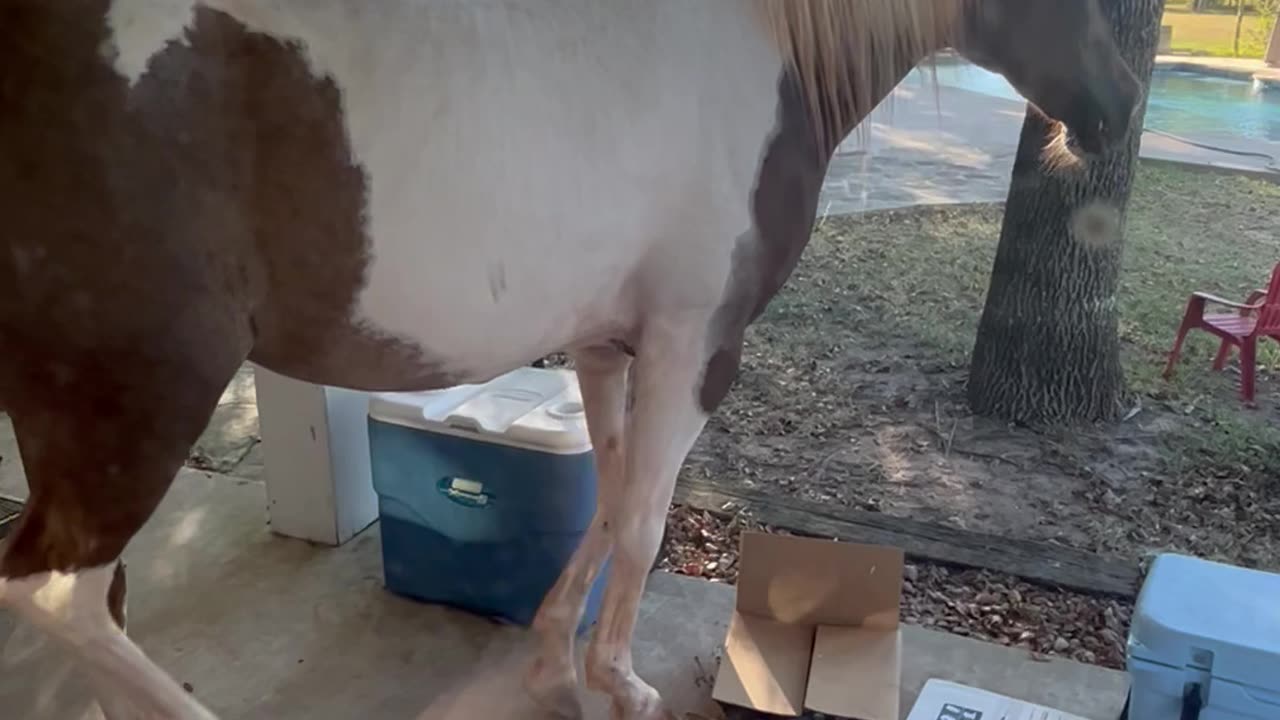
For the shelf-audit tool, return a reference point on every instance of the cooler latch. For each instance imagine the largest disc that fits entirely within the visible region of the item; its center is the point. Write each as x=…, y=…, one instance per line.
x=1195, y=687
x=1192, y=701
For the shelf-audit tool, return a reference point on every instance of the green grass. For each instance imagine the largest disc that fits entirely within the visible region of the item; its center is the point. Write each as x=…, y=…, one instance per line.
x=924, y=273
x=1213, y=34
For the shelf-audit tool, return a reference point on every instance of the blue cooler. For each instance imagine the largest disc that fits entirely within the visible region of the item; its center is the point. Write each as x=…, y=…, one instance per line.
x=484, y=491
x=1204, y=643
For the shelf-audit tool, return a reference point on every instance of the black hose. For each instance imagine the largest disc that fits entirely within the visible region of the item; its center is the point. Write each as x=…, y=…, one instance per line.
x=1271, y=159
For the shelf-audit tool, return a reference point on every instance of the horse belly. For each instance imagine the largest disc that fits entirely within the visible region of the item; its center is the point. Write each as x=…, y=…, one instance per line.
x=482, y=306
x=514, y=212
x=534, y=181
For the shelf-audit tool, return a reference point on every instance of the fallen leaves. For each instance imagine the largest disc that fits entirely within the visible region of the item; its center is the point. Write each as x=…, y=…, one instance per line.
x=975, y=603
x=700, y=544
x=1012, y=612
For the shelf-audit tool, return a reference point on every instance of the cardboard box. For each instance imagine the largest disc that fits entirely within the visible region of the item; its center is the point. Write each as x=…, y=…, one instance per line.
x=942, y=700
x=815, y=628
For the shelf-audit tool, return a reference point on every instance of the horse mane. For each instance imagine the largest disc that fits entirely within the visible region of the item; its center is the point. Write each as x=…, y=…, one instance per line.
x=847, y=53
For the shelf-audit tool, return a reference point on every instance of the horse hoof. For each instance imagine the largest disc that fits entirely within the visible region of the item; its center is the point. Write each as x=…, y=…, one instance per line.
x=650, y=708
x=556, y=697
x=559, y=704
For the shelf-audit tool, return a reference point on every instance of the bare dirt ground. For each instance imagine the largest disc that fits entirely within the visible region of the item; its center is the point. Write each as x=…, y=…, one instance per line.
x=852, y=390
x=894, y=436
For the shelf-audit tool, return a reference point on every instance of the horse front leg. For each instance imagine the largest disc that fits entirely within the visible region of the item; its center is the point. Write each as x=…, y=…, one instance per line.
x=100, y=450
x=552, y=680
x=664, y=419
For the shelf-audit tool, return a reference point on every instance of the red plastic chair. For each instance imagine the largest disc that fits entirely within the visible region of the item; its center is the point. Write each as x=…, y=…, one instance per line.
x=1257, y=317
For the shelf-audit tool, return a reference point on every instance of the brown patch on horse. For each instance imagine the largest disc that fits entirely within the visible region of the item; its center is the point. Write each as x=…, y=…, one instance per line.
x=309, y=201
x=154, y=237
x=784, y=205
x=840, y=60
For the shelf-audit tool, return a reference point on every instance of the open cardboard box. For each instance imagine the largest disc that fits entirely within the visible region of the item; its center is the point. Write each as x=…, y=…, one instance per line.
x=815, y=628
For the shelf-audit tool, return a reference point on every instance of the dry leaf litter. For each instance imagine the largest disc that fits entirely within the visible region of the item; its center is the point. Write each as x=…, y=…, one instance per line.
x=976, y=603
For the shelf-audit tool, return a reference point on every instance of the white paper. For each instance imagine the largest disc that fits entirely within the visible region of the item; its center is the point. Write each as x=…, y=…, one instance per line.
x=942, y=700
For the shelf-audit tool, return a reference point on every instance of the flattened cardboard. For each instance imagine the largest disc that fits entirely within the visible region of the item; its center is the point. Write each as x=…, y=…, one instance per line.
x=819, y=582
x=769, y=665
x=815, y=627
x=855, y=672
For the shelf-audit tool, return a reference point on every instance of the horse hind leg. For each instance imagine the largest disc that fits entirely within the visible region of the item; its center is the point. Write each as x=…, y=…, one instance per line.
x=671, y=397
x=552, y=679
x=98, y=465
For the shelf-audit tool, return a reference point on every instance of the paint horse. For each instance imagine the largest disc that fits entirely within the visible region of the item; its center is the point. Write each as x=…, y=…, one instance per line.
x=411, y=194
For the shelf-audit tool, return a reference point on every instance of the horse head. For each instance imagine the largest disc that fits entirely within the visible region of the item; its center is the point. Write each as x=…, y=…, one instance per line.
x=1062, y=56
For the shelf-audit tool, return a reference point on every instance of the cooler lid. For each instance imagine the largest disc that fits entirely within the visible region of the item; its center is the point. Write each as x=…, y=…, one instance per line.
x=1210, y=615
x=535, y=408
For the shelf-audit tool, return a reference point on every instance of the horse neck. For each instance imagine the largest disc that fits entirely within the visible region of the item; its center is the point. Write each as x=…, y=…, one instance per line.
x=835, y=124
x=848, y=57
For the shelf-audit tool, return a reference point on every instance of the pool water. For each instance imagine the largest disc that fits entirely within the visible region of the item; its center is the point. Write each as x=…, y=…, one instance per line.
x=1181, y=103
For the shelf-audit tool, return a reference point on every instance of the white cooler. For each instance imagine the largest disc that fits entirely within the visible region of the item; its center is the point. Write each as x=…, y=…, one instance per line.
x=1204, y=643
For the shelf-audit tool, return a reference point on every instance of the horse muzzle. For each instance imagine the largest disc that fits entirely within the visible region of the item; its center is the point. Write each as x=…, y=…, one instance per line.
x=1101, y=121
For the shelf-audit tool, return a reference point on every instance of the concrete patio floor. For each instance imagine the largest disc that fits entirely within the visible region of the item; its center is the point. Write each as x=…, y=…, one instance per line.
x=261, y=626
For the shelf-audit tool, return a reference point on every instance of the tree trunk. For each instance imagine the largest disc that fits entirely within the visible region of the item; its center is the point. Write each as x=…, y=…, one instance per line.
x=1272, y=58
x=1239, y=22
x=1047, y=348
x=1272, y=55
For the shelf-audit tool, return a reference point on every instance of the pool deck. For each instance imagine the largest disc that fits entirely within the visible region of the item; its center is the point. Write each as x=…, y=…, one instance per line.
x=1269, y=77
x=1226, y=67
x=957, y=146
x=1239, y=68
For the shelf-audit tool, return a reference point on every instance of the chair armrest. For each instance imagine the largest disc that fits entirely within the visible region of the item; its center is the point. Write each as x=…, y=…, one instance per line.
x=1220, y=301
x=1256, y=297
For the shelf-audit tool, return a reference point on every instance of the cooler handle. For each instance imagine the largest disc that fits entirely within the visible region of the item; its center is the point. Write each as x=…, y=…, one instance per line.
x=468, y=493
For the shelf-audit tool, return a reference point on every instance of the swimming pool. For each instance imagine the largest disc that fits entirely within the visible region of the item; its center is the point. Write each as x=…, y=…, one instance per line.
x=1181, y=103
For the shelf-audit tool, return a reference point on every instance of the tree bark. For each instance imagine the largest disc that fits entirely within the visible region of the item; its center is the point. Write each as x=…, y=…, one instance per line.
x=1235, y=50
x=1047, y=349
x=1272, y=58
